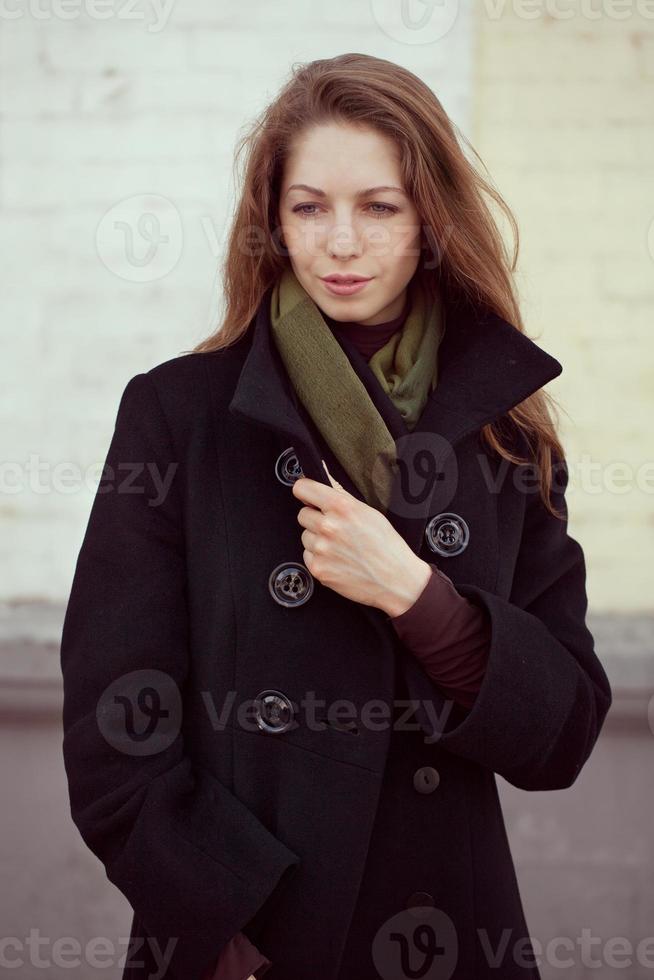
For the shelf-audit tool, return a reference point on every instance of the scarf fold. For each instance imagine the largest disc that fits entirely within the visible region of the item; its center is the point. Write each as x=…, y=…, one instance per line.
x=332, y=392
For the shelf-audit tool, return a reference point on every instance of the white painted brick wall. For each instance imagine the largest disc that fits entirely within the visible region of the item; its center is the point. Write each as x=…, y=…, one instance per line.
x=92, y=112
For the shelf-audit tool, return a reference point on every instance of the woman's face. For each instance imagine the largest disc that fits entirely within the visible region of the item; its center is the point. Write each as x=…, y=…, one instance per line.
x=343, y=210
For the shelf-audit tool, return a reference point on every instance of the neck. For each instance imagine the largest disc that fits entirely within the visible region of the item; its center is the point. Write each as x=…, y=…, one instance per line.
x=368, y=338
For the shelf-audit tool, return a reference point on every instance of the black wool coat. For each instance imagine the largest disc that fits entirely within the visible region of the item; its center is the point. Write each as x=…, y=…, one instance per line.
x=248, y=750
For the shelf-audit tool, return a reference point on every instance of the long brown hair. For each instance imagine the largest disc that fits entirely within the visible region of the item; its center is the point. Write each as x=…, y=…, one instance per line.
x=447, y=191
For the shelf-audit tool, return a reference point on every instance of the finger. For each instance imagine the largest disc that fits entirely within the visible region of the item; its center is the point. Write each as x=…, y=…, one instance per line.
x=308, y=539
x=310, y=517
x=315, y=493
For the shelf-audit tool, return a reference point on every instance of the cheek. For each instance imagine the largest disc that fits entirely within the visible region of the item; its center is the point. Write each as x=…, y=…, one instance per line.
x=305, y=235
x=399, y=264
x=396, y=244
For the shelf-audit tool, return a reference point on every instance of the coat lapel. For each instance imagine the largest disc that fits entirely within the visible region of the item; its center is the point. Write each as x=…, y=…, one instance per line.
x=486, y=367
x=264, y=395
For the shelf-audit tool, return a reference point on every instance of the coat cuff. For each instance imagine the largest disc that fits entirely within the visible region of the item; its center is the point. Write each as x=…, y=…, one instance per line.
x=539, y=708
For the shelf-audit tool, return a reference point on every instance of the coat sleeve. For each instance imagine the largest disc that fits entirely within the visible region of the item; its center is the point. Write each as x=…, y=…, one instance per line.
x=194, y=862
x=545, y=694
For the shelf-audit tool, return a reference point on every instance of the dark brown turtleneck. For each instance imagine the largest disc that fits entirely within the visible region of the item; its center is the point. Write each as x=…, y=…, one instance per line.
x=368, y=339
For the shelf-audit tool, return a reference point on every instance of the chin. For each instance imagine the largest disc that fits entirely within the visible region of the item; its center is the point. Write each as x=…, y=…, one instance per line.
x=349, y=311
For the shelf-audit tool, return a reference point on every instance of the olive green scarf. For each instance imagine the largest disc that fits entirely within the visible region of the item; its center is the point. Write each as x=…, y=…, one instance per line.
x=332, y=392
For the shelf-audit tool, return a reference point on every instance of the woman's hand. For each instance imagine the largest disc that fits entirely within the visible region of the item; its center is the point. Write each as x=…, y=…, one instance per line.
x=355, y=550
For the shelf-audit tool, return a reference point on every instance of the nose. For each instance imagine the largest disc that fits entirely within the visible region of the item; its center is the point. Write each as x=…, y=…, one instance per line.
x=343, y=241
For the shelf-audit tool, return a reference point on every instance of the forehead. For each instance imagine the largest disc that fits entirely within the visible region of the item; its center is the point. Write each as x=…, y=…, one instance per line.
x=341, y=157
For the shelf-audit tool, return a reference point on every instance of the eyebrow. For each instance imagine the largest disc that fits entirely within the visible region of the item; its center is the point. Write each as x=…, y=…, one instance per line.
x=320, y=193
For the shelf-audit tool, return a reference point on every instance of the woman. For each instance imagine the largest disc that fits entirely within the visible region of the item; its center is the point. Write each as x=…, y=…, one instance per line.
x=334, y=593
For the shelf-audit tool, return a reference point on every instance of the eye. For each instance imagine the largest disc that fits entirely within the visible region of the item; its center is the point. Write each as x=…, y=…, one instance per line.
x=386, y=209
x=299, y=210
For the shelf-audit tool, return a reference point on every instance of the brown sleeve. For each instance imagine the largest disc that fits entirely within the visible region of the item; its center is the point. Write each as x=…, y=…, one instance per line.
x=449, y=635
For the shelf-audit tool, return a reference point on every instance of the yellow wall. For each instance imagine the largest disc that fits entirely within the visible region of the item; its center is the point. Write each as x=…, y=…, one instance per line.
x=564, y=121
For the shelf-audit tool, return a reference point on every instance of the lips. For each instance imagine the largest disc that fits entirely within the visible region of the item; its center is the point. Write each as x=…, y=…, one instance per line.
x=344, y=280
x=345, y=285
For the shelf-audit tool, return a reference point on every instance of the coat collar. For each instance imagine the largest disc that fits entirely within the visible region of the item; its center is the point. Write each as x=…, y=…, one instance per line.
x=486, y=367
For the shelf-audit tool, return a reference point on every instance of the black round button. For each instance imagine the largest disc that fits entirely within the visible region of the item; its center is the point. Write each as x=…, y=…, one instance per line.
x=426, y=779
x=290, y=584
x=287, y=467
x=420, y=900
x=273, y=711
x=447, y=534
